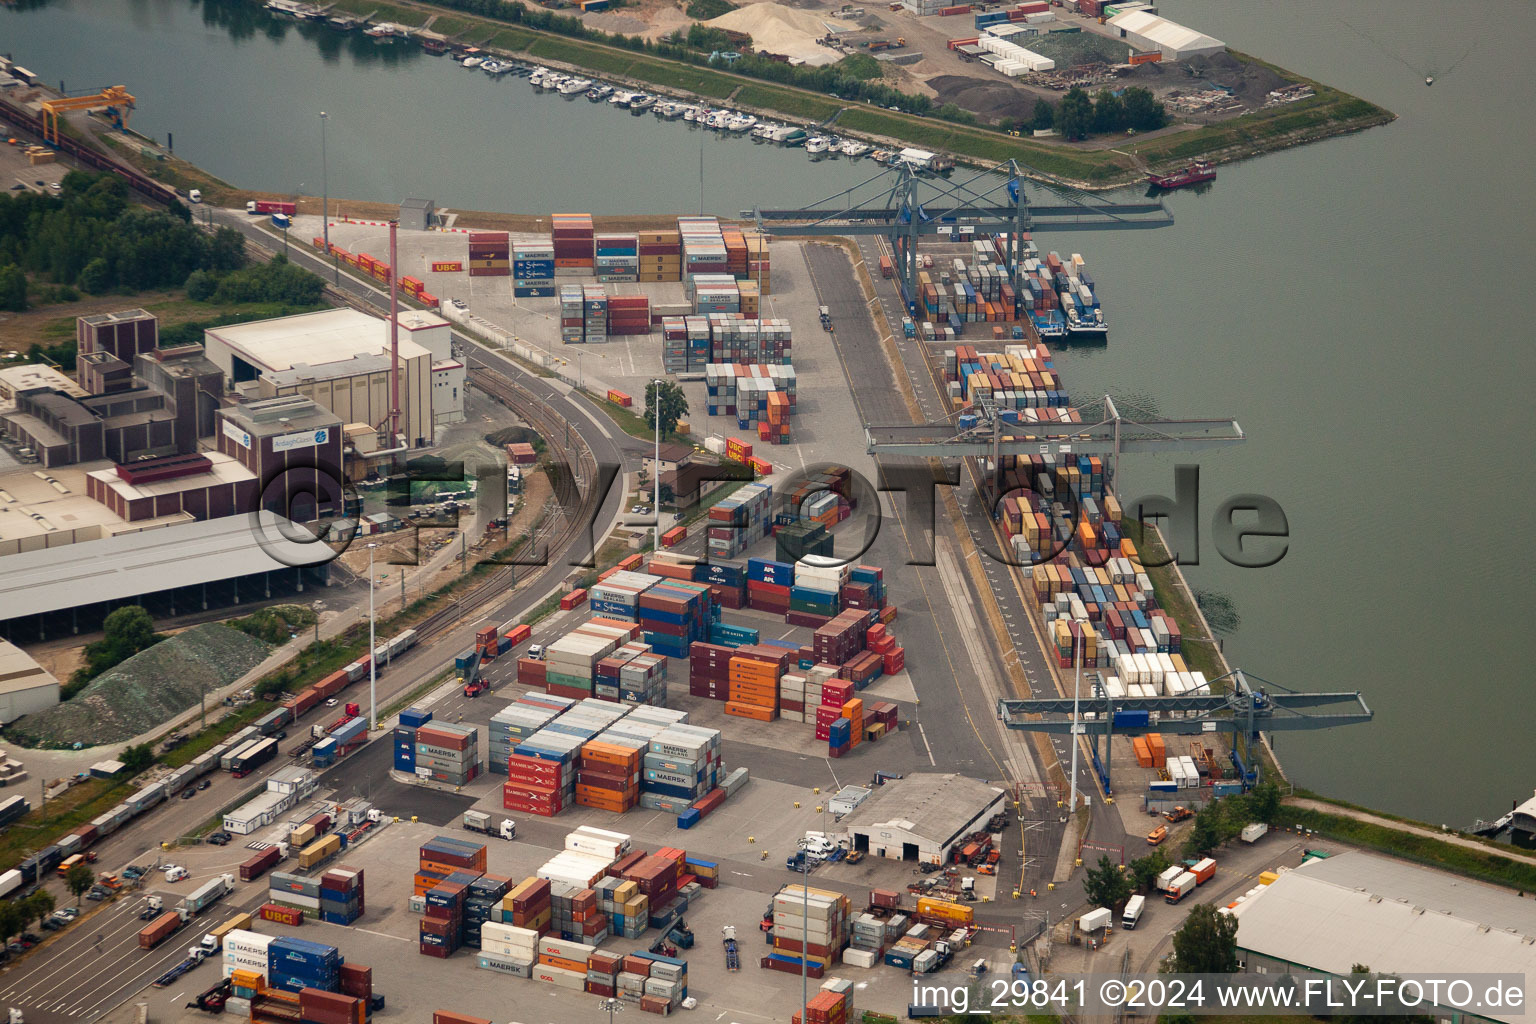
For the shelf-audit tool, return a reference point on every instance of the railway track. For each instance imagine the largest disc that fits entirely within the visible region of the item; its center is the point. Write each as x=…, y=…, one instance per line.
x=570, y=511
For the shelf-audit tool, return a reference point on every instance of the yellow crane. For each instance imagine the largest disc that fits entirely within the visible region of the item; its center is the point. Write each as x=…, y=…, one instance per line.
x=115, y=99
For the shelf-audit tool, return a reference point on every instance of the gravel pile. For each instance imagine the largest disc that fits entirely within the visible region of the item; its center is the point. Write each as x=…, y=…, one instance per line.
x=148, y=689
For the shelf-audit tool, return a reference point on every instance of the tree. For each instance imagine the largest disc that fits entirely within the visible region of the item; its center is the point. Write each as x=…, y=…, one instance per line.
x=42, y=903
x=1264, y=802
x=126, y=632
x=1044, y=117
x=226, y=250
x=672, y=402
x=13, y=288
x=1144, y=870
x=1108, y=113
x=1106, y=885
x=137, y=758
x=26, y=913
x=78, y=879
x=1206, y=943
x=200, y=285
x=10, y=921
x=1142, y=111
x=1074, y=115
x=1206, y=834
x=96, y=276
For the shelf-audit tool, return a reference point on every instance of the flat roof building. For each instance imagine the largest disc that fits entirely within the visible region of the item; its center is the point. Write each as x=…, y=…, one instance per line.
x=292, y=446
x=1395, y=918
x=922, y=817
x=34, y=375
x=25, y=686
x=340, y=358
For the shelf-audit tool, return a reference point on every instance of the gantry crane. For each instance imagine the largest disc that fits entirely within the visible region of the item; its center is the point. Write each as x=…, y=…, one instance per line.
x=114, y=99
x=1244, y=711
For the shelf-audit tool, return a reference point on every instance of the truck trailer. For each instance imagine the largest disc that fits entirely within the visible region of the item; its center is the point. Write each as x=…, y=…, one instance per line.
x=160, y=929
x=207, y=894
x=479, y=821
x=1180, y=887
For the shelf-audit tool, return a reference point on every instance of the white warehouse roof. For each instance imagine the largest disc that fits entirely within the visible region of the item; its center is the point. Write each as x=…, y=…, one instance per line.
x=312, y=339
x=1356, y=908
x=1167, y=35
x=930, y=805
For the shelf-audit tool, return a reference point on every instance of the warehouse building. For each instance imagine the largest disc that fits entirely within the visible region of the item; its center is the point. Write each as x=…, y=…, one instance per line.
x=172, y=570
x=435, y=334
x=1146, y=32
x=202, y=485
x=1395, y=918
x=25, y=686
x=922, y=817
x=32, y=377
x=340, y=358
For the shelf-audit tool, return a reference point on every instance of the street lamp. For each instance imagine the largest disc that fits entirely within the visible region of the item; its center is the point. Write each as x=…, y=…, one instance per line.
x=804, y=845
x=656, y=465
x=373, y=668
x=1077, y=680
x=613, y=1006
x=325, y=200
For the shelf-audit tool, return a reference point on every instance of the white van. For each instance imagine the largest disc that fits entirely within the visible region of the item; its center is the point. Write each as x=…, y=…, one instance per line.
x=195, y=195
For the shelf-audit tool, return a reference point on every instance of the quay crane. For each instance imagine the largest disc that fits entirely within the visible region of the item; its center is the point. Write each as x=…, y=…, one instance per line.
x=114, y=99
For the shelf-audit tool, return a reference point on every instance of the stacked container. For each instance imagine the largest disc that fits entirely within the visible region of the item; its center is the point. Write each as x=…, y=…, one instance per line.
x=735, y=251
x=734, y=340
x=680, y=766
x=629, y=314
x=657, y=983
x=490, y=254
x=245, y=950
x=448, y=753
x=673, y=614
x=572, y=318
x=442, y=924
x=865, y=589
x=341, y=895
x=572, y=236
x=443, y=856
x=709, y=671
x=742, y=390
x=812, y=926
x=628, y=909
x=294, y=964
x=482, y=904
x=619, y=593
x=513, y=724
x=703, y=246
x=608, y=775
x=739, y=520
x=616, y=258
x=527, y=905
x=753, y=682
x=713, y=293
x=297, y=892
x=533, y=270
x=508, y=948
x=818, y=585
x=660, y=256
x=594, y=313
x=758, y=268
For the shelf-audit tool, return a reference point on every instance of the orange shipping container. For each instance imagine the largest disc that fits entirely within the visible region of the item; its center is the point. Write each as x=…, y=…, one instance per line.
x=752, y=711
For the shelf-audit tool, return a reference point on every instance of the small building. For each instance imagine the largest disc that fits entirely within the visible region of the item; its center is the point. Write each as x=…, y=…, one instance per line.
x=1145, y=31
x=521, y=453
x=1394, y=917
x=672, y=456
x=922, y=817
x=418, y=214
x=107, y=769
x=691, y=483
x=25, y=686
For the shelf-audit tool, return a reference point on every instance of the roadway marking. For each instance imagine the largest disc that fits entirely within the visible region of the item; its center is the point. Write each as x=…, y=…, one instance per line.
x=924, y=734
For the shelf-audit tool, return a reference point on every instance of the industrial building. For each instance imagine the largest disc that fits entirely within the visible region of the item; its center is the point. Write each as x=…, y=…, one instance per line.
x=25, y=686
x=170, y=570
x=340, y=358
x=293, y=447
x=202, y=485
x=435, y=334
x=1146, y=33
x=418, y=215
x=922, y=817
x=31, y=377
x=1395, y=918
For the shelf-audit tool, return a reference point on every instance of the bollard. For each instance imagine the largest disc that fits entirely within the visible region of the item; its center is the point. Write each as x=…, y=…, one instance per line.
x=816, y=790
x=751, y=839
x=797, y=804
x=1050, y=886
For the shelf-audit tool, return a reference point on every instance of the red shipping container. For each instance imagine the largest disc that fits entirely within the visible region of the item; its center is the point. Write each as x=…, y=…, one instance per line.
x=281, y=914
x=574, y=599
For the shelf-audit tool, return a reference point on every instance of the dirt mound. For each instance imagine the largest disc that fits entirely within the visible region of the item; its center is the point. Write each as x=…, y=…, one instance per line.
x=1249, y=82
x=779, y=29
x=990, y=101
x=148, y=689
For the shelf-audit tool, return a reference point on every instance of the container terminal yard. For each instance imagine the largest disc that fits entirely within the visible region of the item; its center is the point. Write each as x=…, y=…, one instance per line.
x=814, y=744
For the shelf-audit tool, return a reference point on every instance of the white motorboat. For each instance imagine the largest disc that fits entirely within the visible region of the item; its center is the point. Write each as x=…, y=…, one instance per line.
x=572, y=86
x=854, y=148
x=694, y=114
x=740, y=123
x=621, y=97
x=670, y=110
x=817, y=144
x=473, y=62
x=644, y=101
x=599, y=92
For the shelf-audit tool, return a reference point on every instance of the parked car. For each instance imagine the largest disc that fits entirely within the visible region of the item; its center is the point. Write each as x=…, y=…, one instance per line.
x=188, y=794
x=204, y=785
x=330, y=702
x=220, y=838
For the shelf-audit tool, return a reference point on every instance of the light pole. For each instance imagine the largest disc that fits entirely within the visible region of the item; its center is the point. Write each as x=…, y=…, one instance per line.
x=1076, y=688
x=804, y=846
x=656, y=465
x=613, y=1006
x=373, y=668
x=325, y=199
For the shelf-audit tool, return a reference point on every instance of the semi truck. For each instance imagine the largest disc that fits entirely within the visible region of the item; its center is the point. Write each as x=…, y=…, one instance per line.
x=160, y=929
x=214, y=940
x=1180, y=887
x=1133, y=911
x=253, y=757
x=271, y=206
x=479, y=821
x=207, y=894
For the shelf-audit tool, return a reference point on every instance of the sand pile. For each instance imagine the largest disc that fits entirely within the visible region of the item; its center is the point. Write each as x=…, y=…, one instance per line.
x=779, y=29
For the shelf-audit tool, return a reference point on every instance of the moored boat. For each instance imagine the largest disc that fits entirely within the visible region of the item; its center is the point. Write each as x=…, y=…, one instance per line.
x=1194, y=174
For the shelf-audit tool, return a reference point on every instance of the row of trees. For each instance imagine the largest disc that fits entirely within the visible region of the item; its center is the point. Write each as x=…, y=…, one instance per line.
x=1108, y=885
x=1078, y=115
x=125, y=632
x=276, y=281
x=16, y=916
x=91, y=237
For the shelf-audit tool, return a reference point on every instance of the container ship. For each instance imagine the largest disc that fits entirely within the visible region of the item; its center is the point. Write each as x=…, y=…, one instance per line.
x=1062, y=300
x=1194, y=174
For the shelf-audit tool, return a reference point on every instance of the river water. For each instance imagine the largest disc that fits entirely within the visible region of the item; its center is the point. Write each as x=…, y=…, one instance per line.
x=1353, y=303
